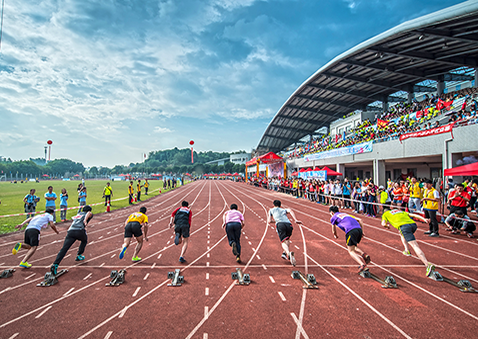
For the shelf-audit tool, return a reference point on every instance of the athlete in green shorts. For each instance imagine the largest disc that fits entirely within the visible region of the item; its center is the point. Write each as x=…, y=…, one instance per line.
x=406, y=226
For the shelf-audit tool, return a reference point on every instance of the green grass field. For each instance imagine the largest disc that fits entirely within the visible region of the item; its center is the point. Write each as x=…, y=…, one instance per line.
x=11, y=197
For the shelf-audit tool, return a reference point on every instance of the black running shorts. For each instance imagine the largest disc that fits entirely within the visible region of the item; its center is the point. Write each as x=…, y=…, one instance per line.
x=408, y=230
x=32, y=237
x=353, y=236
x=183, y=230
x=133, y=228
x=284, y=230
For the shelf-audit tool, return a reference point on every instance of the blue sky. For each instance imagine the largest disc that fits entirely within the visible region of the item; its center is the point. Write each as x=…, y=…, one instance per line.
x=109, y=80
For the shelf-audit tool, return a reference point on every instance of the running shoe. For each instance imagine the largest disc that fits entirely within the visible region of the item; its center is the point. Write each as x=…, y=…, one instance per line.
x=292, y=259
x=284, y=256
x=407, y=253
x=234, y=249
x=16, y=248
x=430, y=269
x=435, y=235
x=25, y=265
x=469, y=235
x=182, y=260
x=80, y=258
x=135, y=259
x=238, y=259
x=453, y=232
x=366, y=257
x=176, y=239
x=362, y=268
x=54, y=269
x=449, y=229
x=428, y=232
x=121, y=255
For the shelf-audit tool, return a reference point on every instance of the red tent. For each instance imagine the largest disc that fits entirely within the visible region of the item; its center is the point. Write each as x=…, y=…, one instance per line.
x=228, y=174
x=317, y=168
x=45, y=175
x=330, y=172
x=302, y=170
x=309, y=169
x=270, y=158
x=471, y=169
x=156, y=175
x=294, y=174
x=76, y=175
x=121, y=175
x=235, y=174
x=253, y=161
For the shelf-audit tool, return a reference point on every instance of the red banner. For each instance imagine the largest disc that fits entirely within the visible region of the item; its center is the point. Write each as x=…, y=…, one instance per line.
x=428, y=132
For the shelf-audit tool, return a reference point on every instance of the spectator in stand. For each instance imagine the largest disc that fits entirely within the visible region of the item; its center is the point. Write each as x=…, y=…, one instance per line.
x=458, y=199
x=457, y=222
x=397, y=195
x=430, y=201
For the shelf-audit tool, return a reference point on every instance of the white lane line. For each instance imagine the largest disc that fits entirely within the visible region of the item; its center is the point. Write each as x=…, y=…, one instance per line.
x=2, y=264
x=152, y=266
x=108, y=335
x=89, y=275
x=297, y=323
x=114, y=255
x=264, y=266
x=100, y=238
x=14, y=336
x=205, y=336
x=208, y=248
x=31, y=275
x=43, y=312
x=136, y=292
x=108, y=233
x=258, y=257
x=253, y=249
x=208, y=241
x=272, y=279
x=171, y=237
x=209, y=237
x=121, y=315
x=146, y=276
x=168, y=242
x=206, y=312
x=207, y=276
x=159, y=256
x=297, y=247
x=245, y=236
x=71, y=289
x=207, y=291
x=250, y=243
x=207, y=264
x=103, y=264
x=208, y=255
x=282, y=296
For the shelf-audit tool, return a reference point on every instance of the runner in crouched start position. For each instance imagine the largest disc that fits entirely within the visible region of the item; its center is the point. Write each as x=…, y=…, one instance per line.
x=404, y=223
x=233, y=221
x=32, y=234
x=133, y=227
x=283, y=227
x=77, y=231
x=181, y=218
x=353, y=234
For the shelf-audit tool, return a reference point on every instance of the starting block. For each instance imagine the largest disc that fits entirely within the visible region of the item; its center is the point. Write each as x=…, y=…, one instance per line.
x=242, y=279
x=176, y=279
x=463, y=285
x=309, y=280
x=51, y=279
x=388, y=282
x=117, y=278
x=7, y=274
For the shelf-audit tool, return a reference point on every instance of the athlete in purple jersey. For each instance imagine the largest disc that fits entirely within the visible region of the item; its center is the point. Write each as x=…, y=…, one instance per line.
x=353, y=234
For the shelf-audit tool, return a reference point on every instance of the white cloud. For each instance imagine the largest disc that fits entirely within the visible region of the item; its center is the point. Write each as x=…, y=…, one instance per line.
x=158, y=129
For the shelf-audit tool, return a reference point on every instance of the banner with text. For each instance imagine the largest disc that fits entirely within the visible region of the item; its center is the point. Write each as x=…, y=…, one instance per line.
x=428, y=132
x=348, y=150
x=319, y=175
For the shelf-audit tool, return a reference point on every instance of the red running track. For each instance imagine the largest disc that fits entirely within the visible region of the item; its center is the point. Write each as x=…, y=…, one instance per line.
x=210, y=305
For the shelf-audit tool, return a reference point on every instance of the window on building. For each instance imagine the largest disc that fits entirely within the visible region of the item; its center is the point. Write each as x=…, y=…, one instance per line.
x=360, y=174
x=397, y=172
x=388, y=175
x=412, y=170
x=367, y=174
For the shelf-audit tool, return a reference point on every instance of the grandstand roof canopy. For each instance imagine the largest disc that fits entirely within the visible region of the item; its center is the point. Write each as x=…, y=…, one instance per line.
x=431, y=47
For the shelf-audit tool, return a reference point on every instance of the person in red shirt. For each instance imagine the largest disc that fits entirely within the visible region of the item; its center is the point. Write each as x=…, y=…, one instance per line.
x=458, y=199
x=311, y=191
x=397, y=195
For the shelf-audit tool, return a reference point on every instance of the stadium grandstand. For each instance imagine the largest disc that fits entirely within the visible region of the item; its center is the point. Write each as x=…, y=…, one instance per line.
x=403, y=101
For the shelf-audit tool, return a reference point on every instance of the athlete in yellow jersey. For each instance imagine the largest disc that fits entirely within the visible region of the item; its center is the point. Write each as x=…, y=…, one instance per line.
x=406, y=226
x=146, y=186
x=130, y=192
x=132, y=226
x=107, y=193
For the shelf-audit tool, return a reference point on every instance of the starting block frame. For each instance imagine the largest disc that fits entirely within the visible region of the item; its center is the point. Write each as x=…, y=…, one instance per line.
x=242, y=279
x=388, y=282
x=7, y=273
x=51, y=279
x=309, y=281
x=176, y=279
x=463, y=285
x=117, y=278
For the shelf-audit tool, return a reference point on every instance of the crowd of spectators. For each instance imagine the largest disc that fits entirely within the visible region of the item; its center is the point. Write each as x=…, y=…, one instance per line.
x=364, y=197
x=402, y=118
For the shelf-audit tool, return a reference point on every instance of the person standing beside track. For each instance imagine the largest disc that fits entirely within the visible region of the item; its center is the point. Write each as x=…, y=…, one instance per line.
x=76, y=232
x=233, y=221
x=30, y=201
x=353, y=234
x=32, y=234
x=430, y=201
x=146, y=186
x=406, y=226
x=138, y=190
x=107, y=193
x=130, y=193
x=132, y=226
x=181, y=218
x=50, y=198
x=283, y=228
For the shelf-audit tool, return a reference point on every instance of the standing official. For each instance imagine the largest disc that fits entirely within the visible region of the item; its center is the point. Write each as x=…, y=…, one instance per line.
x=107, y=193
